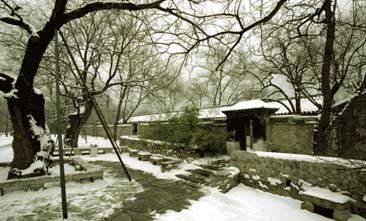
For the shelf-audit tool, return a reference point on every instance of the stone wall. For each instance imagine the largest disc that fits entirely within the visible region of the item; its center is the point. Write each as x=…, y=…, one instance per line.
x=290, y=134
x=98, y=130
x=348, y=138
x=287, y=174
x=156, y=147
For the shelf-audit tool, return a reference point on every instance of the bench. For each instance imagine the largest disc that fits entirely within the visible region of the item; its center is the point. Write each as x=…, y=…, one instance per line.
x=325, y=202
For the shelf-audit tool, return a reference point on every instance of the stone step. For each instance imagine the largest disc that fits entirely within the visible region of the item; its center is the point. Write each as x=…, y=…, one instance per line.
x=156, y=160
x=133, y=152
x=197, y=179
x=169, y=165
x=170, y=162
x=144, y=156
x=202, y=172
x=210, y=167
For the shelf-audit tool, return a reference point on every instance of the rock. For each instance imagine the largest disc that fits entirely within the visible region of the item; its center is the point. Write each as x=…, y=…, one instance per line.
x=308, y=206
x=341, y=215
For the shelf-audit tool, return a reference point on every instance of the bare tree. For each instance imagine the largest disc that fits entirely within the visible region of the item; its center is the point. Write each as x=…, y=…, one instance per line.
x=230, y=82
x=284, y=58
x=27, y=106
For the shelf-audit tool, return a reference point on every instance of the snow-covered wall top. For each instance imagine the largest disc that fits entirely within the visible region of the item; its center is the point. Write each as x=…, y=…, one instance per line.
x=217, y=112
x=203, y=114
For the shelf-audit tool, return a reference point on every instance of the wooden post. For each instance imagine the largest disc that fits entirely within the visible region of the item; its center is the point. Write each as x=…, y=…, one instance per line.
x=59, y=130
x=251, y=133
x=7, y=122
x=245, y=136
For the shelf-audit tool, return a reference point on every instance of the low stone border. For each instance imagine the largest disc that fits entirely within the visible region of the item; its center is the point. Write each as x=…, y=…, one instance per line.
x=166, y=163
x=86, y=150
x=88, y=173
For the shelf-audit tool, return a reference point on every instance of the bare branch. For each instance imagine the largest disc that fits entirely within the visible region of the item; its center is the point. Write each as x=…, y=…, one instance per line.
x=99, y=6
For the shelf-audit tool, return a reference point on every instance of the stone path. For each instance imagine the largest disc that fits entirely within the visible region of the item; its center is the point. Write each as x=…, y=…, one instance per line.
x=158, y=196
x=216, y=173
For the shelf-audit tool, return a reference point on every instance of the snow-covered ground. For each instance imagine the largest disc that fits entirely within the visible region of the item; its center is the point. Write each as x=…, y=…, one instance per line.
x=6, y=152
x=240, y=203
x=5, y=140
x=91, y=140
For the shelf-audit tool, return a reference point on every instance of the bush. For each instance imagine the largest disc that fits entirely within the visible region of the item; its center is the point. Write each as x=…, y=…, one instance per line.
x=209, y=141
x=185, y=131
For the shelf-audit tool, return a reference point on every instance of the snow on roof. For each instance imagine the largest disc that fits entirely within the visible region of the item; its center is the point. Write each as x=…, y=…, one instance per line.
x=206, y=113
x=307, y=106
x=209, y=113
x=326, y=194
x=252, y=104
x=217, y=112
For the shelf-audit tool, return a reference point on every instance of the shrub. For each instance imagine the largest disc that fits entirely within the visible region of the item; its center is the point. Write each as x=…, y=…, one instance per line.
x=209, y=141
x=185, y=131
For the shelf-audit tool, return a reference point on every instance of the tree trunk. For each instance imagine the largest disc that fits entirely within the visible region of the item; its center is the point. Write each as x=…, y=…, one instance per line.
x=320, y=139
x=75, y=123
x=31, y=139
x=116, y=120
x=297, y=101
x=25, y=144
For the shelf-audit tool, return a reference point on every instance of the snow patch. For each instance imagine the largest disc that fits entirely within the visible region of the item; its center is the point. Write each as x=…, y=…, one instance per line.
x=38, y=164
x=5, y=140
x=262, y=185
x=252, y=170
x=43, y=136
x=55, y=170
x=304, y=184
x=81, y=110
x=256, y=177
x=364, y=198
x=233, y=171
x=274, y=181
x=326, y=194
x=37, y=91
x=10, y=94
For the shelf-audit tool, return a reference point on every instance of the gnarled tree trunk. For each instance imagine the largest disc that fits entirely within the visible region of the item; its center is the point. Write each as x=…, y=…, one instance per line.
x=75, y=123
x=26, y=107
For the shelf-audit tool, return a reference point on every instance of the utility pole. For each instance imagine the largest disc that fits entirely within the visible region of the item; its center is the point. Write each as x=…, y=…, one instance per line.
x=59, y=131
